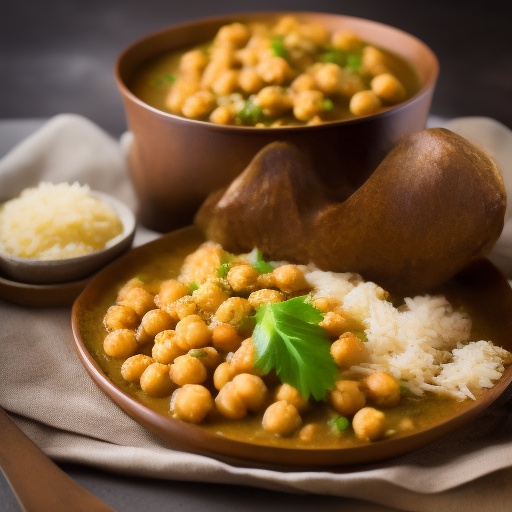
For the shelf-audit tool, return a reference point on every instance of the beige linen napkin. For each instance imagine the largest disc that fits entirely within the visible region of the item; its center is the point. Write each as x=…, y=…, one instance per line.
x=51, y=397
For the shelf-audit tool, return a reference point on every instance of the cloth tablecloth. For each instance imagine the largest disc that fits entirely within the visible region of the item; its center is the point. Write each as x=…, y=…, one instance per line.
x=51, y=397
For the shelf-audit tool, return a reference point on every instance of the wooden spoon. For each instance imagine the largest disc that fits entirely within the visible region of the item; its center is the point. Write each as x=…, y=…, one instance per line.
x=38, y=484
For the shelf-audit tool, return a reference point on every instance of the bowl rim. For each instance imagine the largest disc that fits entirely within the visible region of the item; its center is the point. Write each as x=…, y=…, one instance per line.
x=126, y=92
x=125, y=215
x=195, y=439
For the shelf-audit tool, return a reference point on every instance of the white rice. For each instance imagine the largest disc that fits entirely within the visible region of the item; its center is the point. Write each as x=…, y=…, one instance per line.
x=423, y=343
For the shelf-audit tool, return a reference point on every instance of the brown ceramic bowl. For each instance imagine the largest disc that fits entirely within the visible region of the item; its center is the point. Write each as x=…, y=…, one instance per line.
x=176, y=162
x=482, y=285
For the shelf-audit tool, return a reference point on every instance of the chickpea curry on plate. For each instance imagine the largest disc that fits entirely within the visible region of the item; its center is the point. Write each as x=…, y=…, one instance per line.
x=284, y=73
x=285, y=355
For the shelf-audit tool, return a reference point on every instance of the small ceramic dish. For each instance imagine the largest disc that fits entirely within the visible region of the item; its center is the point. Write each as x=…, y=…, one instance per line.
x=482, y=285
x=51, y=272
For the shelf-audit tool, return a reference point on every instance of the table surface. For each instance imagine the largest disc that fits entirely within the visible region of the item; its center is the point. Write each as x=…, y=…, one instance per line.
x=57, y=56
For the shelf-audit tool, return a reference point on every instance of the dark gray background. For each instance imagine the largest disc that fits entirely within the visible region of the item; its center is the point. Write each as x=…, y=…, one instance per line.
x=57, y=55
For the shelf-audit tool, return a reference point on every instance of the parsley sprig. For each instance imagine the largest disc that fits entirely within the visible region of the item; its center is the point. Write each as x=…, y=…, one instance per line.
x=288, y=339
x=261, y=265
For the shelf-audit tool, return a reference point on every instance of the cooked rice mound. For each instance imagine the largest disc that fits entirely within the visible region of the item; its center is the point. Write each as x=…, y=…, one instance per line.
x=423, y=342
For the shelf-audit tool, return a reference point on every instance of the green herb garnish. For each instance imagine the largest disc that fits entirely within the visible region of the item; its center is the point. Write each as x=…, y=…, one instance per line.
x=158, y=82
x=342, y=423
x=361, y=335
x=223, y=270
x=250, y=114
x=353, y=62
x=142, y=277
x=193, y=286
x=328, y=104
x=287, y=337
x=334, y=56
x=278, y=48
x=261, y=265
x=404, y=390
x=198, y=353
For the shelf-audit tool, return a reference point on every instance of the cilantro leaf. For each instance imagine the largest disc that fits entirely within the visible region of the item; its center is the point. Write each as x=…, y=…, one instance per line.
x=334, y=56
x=261, y=265
x=278, y=48
x=328, y=104
x=354, y=62
x=287, y=337
x=250, y=114
x=223, y=270
x=193, y=286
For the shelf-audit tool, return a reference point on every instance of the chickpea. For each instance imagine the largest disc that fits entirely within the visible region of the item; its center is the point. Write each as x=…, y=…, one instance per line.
x=314, y=32
x=192, y=332
x=249, y=80
x=208, y=356
x=334, y=323
x=209, y=297
x=222, y=56
x=132, y=283
x=281, y=418
x=183, y=88
x=139, y=300
x=202, y=263
x=274, y=101
x=235, y=34
x=243, y=278
x=227, y=83
x=406, y=424
x=351, y=84
x=155, y=380
x=382, y=389
x=120, y=317
x=303, y=83
x=223, y=374
x=171, y=291
x=267, y=280
x=346, y=40
x=226, y=338
x=316, y=120
x=369, y=424
x=347, y=398
x=274, y=70
x=183, y=308
x=200, y=104
x=292, y=396
x=120, y=344
x=156, y=321
x=229, y=403
x=233, y=310
x=329, y=78
x=192, y=403
x=388, y=88
x=286, y=24
x=243, y=359
x=309, y=432
x=187, y=370
x=289, y=278
x=135, y=366
x=166, y=349
x=364, y=103
x=348, y=351
x=326, y=304
x=252, y=390
x=373, y=61
x=193, y=62
x=256, y=299
x=221, y=115
x=307, y=104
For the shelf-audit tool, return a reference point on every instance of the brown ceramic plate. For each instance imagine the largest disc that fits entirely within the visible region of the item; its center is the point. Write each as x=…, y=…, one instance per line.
x=482, y=286
x=41, y=295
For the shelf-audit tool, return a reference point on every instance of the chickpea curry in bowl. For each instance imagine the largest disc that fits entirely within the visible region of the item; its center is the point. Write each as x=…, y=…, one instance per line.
x=277, y=355
x=281, y=73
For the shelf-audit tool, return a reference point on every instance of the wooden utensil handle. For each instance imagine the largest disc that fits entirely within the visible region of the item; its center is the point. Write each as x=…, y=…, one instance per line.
x=39, y=485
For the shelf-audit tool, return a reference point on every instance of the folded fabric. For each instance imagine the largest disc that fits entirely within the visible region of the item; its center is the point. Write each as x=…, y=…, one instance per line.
x=51, y=397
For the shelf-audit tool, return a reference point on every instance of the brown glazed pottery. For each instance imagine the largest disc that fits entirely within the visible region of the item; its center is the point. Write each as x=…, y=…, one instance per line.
x=482, y=285
x=175, y=163
x=433, y=205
